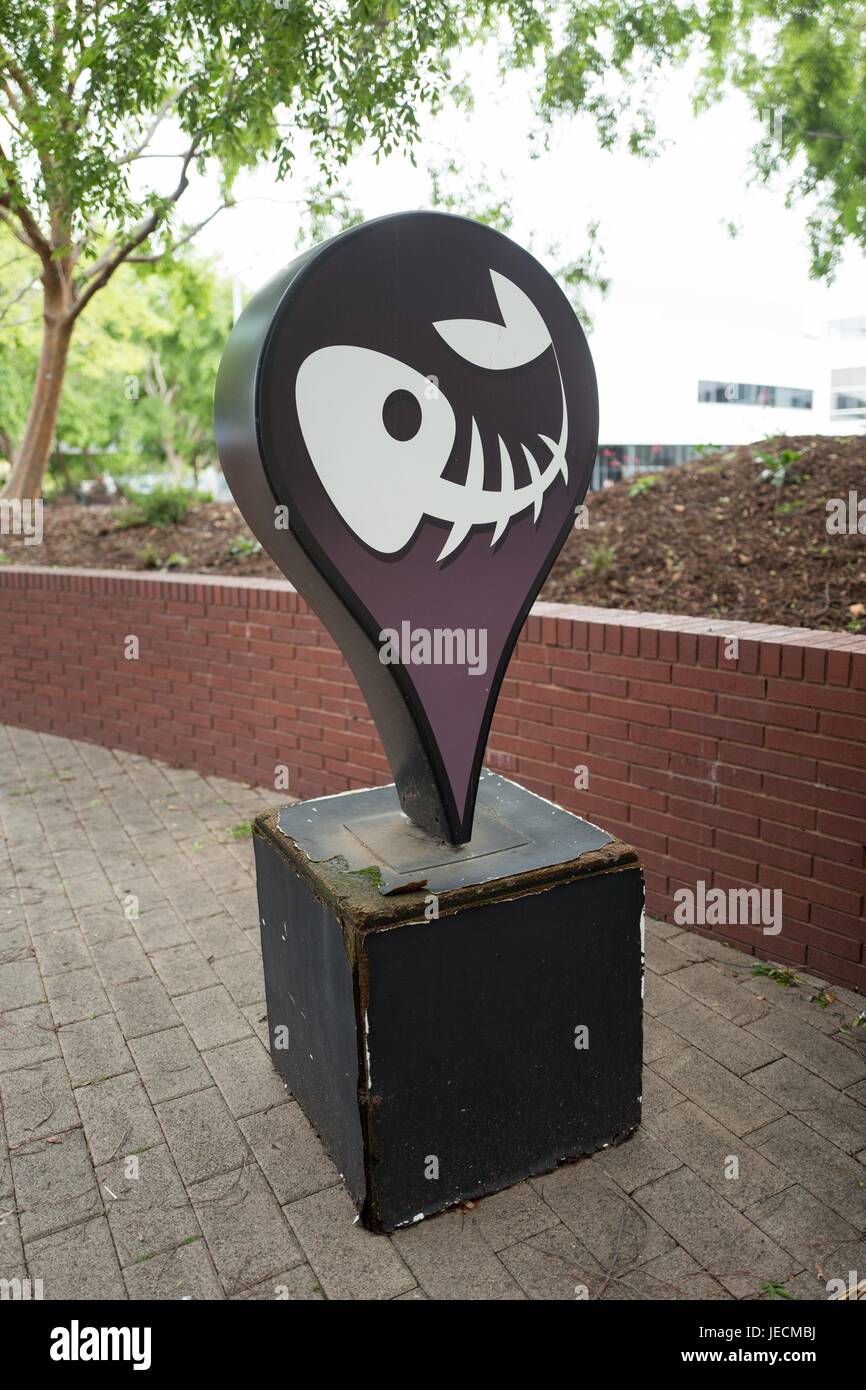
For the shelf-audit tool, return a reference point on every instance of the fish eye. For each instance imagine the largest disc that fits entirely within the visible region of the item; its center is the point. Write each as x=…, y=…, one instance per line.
x=401, y=415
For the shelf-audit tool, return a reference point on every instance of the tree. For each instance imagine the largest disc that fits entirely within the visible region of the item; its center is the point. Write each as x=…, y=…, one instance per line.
x=800, y=63
x=87, y=85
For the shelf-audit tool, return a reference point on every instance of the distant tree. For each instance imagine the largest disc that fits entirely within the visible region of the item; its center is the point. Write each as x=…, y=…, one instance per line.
x=85, y=85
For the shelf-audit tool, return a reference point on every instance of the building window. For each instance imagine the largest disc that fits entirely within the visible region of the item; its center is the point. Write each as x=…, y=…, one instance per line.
x=843, y=400
x=746, y=393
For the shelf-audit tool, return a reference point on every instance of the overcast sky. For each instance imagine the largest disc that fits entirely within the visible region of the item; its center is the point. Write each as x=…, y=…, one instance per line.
x=661, y=221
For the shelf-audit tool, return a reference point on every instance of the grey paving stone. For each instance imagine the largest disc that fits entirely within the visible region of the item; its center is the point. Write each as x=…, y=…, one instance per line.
x=658, y=1094
x=246, y=1077
x=707, y=1148
x=661, y=995
x=637, y=1160
x=815, y=1102
x=26, y=1036
x=94, y=1049
x=718, y=991
x=555, y=1266
x=674, y=1277
x=289, y=1152
x=54, y=1185
x=183, y=969
x=62, y=950
x=349, y=1262
x=813, y=1284
x=796, y=1003
x=37, y=1101
x=732, y=1250
x=20, y=984
x=794, y=1037
x=243, y=977
x=212, y=1017
x=656, y=927
x=203, y=1138
x=733, y=1047
x=661, y=957
x=118, y=1118
x=143, y=1006
x=186, y=1272
x=858, y=1092
x=607, y=1222
x=415, y=1295
x=295, y=1285
x=716, y=1090
x=515, y=1214
x=104, y=924
x=802, y=1225
x=659, y=1040
x=169, y=1064
x=257, y=1017
x=698, y=948
x=76, y=995
x=218, y=936
x=247, y=1235
x=77, y=1264
x=147, y=1206
x=816, y=1164
x=161, y=928
x=451, y=1260
x=119, y=961
x=87, y=890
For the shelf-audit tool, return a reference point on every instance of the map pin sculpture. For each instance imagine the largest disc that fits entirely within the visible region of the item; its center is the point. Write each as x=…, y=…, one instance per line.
x=407, y=417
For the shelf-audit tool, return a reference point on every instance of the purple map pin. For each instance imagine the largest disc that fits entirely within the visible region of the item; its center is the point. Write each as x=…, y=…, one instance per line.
x=407, y=417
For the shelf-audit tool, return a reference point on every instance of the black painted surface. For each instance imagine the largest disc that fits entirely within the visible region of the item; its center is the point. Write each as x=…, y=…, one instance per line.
x=454, y=1038
x=309, y=990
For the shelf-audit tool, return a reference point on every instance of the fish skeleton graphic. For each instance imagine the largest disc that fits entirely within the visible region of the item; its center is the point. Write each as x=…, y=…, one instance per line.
x=383, y=487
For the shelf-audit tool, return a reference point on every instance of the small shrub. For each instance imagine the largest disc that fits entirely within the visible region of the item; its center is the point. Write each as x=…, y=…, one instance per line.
x=176, y=561
x=164, y=506
x=244, y=545
x=243, y=830
x=148, y=557
x=600, y=561
x=642, y=485
x=776, y=466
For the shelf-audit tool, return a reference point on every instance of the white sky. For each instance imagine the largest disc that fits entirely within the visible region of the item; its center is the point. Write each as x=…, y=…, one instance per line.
x=660, y=220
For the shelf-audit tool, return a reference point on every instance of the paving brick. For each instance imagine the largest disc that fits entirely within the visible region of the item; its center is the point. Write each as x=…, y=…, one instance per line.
x=658, y=1095
x=203, y=1138
x=636, y=1161
x=296, y=1285
x=77, y=1264
x=143, y=1006
x=673, y=1277
x=185, y=1272
x=707, y=1148
x=118, y=1118
x=247, y=1235
x=451, y=1260
x=733, y=1047
x=728, y=1246
x=659, y=1040
x=246, y=1077
x=243, y=977
x=58, y=951
x=20, y=985
x=836, y=1062
x=75, y=995
x=348, y=1261
x=212, y=1017
x=94, y=1049
x=120, y=961
x=289, y=1152
x=169, y=1064
x=716, y=1090
x=37, y=1101
x=515, y=1214
x=54, y=1185
x=815, y=1102
x=718, y=991
x=816, y=1164
x=183, y=969
x=662, y=957
x=146, y=1203
x=555, y=1265
x=661, y=996
x=27, y=1036
x=607, y=1222
x=800, y=1224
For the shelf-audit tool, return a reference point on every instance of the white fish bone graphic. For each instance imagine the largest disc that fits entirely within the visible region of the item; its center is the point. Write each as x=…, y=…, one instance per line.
x=383, y=487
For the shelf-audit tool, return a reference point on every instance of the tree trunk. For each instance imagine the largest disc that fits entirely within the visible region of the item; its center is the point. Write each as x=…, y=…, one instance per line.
x=34, y=451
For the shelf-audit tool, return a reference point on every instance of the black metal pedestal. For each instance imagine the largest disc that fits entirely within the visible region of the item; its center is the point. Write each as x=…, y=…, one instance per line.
x=451, y=1019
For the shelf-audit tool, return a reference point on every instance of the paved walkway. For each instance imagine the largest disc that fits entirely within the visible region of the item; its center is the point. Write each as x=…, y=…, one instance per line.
x=148, y=1149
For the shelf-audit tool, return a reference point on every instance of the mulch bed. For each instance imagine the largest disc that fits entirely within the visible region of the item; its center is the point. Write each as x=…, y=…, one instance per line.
x=707, y=539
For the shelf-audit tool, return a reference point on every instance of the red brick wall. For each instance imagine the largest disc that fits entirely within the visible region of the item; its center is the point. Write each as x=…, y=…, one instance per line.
x=740, y=773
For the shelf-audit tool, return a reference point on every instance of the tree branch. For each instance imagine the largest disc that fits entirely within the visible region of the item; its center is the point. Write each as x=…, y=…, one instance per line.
x=102, y=270
x=175, y=246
